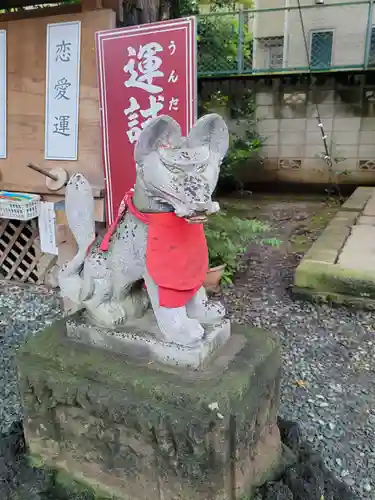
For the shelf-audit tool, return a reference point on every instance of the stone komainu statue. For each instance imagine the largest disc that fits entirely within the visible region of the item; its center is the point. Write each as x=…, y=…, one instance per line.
x=157, y=237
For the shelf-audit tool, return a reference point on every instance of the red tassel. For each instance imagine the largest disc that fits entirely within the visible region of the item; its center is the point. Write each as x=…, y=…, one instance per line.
x=104, y=246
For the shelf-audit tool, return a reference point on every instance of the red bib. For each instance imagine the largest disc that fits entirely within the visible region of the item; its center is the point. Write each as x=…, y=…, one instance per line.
x=176, y=257
x=176, y=253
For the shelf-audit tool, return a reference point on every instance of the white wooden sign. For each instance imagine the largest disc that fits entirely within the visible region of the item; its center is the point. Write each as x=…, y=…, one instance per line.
x=62, y=90
x=47, y=228
x=3, y=94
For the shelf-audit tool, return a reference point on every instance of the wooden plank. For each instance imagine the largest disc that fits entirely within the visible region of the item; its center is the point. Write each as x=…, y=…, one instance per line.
x=117, y=6
x=11, y=225
x=11, y=242
x=46, y=11
x=18, y=245
x=13, y=252
x=31, y=268
x=26, y=101
x=7, y=234
x=40, y=188
x=3, y=226
x=91, y=4
x=27, y=231
x=44, y=266
x=17, y=263
x=26, y=138
x=99, y=206
x=6, y=268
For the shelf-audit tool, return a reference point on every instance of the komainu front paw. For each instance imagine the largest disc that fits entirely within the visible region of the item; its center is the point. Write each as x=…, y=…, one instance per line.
x=206, y=312
x=186, y=332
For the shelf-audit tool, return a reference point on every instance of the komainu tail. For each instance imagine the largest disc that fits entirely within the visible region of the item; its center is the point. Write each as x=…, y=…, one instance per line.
x=79, y=210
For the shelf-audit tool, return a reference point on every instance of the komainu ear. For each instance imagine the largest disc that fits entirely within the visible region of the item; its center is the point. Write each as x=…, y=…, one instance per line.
x=161, y=131
x=212, y=131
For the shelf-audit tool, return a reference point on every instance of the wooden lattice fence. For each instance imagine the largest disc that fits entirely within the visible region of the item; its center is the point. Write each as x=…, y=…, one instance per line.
x=21, y=259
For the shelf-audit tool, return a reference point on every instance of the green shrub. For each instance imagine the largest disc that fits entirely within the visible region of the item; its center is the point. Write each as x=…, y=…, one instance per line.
x=244, y=146
x=218, y=44
x=229, y=237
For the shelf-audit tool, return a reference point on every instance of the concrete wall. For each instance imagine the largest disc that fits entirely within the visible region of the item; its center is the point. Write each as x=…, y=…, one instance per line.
x=286, y=120
x=293, y=144
x=349, y=24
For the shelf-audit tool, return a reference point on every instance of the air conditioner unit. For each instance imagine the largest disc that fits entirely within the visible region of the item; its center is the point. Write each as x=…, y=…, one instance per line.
x=319, y=2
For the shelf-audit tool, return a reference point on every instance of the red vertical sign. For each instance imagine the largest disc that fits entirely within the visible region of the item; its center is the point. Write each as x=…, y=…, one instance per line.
x=144, y=71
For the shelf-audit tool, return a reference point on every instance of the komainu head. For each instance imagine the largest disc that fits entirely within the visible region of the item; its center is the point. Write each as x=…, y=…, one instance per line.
x=181, y=172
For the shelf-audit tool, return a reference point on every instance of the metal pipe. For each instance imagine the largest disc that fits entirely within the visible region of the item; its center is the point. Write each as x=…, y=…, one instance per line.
x=42, y=171
x=286, y=34
x=368, y=34
x=291, y=7
x=313, y=6
x=240, y=61
x=255, y=37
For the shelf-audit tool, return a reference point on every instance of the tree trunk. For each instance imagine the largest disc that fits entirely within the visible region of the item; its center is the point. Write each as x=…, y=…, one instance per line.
x=149, y=10
x=144, y=11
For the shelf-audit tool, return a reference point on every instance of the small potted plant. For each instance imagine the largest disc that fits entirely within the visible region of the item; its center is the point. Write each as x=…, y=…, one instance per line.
x=227, y=239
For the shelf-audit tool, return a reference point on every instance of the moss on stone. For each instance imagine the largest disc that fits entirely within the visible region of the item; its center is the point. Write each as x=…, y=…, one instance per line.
x=35, y=462
x=358, y=199
x=319, y=272
x=117, y=393
x=61, y=485
x=334, y=299
x=52, y=351
x=66, y=487
x=302, y=242
x=329, y=278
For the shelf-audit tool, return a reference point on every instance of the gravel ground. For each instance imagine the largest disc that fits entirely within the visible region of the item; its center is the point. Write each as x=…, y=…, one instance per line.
x=329, y=365
x=328, y=384
x=23, y=311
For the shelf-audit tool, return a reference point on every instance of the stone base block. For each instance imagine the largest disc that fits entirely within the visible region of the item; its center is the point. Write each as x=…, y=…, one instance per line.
x=141, y=339
x=146, y=431
x=339, y=267
x=358, y=199
x=334, y=299
x=326, y=278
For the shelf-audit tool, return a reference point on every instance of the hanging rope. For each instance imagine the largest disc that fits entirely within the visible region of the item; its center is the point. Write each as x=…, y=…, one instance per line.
x=327, y=155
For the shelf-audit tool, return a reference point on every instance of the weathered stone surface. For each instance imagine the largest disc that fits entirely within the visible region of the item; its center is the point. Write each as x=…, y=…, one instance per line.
x=343, y=218
x=340, y=266
x=358, y=199
x=331, y=241
x=327, y=247
x=370, y=206
x=321, y=255
x=334, y=298
x=142, y=339
x=146, y=431
x=366, y=220
x=324, y=277
x=359, y=249
x=158, y=237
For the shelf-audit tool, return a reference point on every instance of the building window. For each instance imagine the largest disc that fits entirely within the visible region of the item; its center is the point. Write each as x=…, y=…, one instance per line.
x=275, y=54
x=271, y=49
x=371, y=52
x=321, y=49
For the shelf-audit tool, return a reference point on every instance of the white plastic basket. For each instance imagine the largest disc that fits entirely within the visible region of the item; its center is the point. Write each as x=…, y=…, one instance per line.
x=19, y=206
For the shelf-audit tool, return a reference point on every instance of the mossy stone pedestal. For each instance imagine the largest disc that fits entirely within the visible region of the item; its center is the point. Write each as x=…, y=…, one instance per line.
x=339, y=268
x=145, y=432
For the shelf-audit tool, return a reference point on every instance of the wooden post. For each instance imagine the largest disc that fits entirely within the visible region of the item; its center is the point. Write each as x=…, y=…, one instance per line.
x=91, y=5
